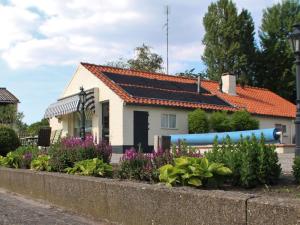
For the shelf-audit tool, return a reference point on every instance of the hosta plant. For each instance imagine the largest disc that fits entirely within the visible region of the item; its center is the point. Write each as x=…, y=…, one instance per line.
x=41, y=163
x=11, y=160
x=2, y=160
x=91, y=167
x=192, y=171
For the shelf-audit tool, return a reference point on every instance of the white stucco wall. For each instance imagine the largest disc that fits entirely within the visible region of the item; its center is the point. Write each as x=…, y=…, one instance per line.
x=85, y=78
x=269, y=122
x=154, y=120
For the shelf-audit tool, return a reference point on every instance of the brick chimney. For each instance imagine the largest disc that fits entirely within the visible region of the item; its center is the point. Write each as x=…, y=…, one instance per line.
x=228, y=84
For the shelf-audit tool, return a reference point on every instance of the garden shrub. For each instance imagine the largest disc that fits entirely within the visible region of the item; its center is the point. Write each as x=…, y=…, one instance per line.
x=252, y=161
x=41, y=163
x=220, y=122
x=296, y=169
x=9, y=140
x=144, y=166
x=21, y=157
x=70, y=150
x=91, y=167
x=242, y=120
x=182, y=149
x=198, y=121
x=192, y=171
x=138, y=166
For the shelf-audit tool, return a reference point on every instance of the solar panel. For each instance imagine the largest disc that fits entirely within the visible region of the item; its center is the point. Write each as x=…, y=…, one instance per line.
x=177, y=96
x=170, y=85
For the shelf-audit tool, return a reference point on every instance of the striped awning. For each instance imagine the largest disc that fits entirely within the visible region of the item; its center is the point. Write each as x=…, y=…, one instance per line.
x=70, y=104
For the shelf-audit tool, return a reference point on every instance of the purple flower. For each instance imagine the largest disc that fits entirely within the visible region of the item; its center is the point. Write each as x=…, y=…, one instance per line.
x=27, y=156
x=129, y=154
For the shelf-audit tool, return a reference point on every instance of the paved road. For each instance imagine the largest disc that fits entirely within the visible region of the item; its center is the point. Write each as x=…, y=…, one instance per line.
x=17, y=210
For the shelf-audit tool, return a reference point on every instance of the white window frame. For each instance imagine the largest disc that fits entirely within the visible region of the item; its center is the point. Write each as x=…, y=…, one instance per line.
x=282, y=127
x=167, y=117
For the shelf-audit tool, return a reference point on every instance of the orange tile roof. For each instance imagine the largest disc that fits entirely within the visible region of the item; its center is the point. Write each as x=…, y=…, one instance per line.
x=254, y=100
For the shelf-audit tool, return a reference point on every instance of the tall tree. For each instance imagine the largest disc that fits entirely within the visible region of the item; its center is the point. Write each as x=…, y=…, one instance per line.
x=221, y=38
x=229, y=41
x=146, y=60
x=276, y=66
x=246, y=68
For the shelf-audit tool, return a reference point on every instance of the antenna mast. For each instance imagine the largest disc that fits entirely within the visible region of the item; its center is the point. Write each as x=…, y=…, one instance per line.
x=167, y=29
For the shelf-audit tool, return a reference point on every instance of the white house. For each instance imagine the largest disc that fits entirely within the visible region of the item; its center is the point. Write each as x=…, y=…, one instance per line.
x=129, y=107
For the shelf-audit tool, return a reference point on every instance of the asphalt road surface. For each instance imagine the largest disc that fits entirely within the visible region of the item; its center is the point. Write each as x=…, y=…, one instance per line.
x=17, y=210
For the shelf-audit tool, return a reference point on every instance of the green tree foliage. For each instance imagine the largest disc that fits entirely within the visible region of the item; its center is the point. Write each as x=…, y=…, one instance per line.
x=229, y=41
x=34, y=128
x=146, y=60
x=191, y=73
x=9, y=140
x=8, y=114
x=220, y=122
x=248, y=53
x=120, y=63
x=242, y=120
x=276, y=59
x=198, y=122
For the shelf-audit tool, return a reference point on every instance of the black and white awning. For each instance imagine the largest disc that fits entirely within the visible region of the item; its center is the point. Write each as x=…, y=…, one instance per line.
x=70, y=104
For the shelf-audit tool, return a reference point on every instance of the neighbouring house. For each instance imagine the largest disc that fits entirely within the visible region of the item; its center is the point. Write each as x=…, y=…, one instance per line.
x=7, y=98
x=8, y=104
x=128, y=107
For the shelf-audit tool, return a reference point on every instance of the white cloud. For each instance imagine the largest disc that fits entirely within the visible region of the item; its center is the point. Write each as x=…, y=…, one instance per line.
x=56, y=32
x=16, y=25
x=58, y=51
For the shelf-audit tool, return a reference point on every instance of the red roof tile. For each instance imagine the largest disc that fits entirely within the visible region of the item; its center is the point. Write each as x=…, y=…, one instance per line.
x=255, y=100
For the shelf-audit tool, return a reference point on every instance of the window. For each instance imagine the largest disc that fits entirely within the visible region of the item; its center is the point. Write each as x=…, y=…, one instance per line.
x=168, y=121
x=77, y=124
x=281, y=127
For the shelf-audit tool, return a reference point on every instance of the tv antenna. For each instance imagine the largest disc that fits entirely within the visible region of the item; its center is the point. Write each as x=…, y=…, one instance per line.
x=166, y=25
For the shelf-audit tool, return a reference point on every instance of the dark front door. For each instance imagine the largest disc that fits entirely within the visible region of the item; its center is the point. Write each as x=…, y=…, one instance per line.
x=140, y=130
x=105, y=121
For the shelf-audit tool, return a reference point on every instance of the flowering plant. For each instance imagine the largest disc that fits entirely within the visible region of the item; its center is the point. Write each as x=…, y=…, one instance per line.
x=74, y=149
x=144, y=166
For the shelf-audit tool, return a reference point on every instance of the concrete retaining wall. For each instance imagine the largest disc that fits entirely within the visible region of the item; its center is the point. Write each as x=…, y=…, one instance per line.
x=131, y=203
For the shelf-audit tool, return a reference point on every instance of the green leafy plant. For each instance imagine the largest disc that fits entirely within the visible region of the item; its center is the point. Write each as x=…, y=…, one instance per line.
x=252, y=161
x=242, y=120
x=198, y=121
x=9, y=140
x=70, y=150
x=2, y=160
x=220, y=121
x=12, y=160
x=192, y=171
x=41, y=163
x=91, y=167
x=296, y=169
x=21, y=157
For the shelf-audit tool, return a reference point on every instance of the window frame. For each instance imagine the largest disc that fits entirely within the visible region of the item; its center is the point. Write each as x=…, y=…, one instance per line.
x=167, y=117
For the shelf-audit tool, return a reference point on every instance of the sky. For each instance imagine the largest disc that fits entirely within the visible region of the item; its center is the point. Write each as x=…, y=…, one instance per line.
x=43, y=41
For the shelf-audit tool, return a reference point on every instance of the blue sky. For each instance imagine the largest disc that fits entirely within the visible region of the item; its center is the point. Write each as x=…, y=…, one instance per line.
x=43, y=41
